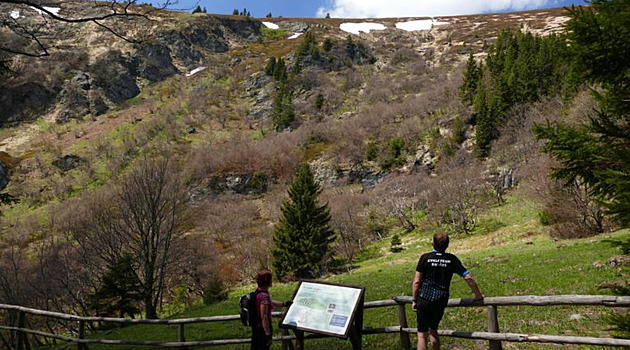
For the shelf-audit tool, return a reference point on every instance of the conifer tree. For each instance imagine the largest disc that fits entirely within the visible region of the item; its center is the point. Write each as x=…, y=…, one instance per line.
x=471, y=79
x=303, y=236
x=483, y=122
x=599, y=153
x=119, y=293
x=271, y=66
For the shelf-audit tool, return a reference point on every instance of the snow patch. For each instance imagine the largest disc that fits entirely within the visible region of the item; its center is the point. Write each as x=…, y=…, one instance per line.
x=356, y=28
x=295, y=36
x=423, y=24
x=271, y=25
x=53, y=10
x=195, y=71
x=14, y=14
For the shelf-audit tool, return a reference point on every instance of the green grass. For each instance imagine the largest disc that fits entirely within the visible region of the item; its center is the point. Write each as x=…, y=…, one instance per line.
x=273, y=34
x=545, y=267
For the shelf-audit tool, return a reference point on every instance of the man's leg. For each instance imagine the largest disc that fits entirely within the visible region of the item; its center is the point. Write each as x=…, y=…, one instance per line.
x=422, y=340
x=435, y=339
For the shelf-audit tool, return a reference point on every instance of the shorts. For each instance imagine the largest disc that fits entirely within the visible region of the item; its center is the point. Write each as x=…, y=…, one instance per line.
x=430, y=314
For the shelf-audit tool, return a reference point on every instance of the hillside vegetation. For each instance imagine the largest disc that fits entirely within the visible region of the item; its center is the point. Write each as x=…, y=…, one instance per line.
x=146, y=177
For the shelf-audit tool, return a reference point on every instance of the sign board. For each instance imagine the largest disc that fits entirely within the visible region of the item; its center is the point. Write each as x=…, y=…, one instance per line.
x=323, y=308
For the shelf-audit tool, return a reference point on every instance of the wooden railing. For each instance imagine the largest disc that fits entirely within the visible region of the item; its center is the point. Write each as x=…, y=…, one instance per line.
x=492, y=335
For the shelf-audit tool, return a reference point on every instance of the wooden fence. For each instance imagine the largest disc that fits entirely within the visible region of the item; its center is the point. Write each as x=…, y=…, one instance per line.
x=492, y=335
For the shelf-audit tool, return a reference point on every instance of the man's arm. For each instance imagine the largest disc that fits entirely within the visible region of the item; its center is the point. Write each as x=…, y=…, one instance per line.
x=266, y=322
x=473, y=286
x=415, y=288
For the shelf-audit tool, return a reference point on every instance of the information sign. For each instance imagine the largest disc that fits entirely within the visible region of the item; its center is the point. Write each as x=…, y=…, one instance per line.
x=323, y=308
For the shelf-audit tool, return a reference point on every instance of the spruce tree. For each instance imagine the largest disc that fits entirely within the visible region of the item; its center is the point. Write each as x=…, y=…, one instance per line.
x=471, y=79
x=599, y=153
x=303, y=236
x=119, y=293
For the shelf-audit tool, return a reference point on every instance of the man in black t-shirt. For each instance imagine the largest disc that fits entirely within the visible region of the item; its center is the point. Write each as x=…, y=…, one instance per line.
x=430, y=289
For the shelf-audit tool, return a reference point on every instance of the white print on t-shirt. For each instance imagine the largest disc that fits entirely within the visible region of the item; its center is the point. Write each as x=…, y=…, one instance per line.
x=438, y=262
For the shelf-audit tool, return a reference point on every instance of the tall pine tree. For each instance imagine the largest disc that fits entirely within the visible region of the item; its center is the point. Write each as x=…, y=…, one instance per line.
x=303, y=236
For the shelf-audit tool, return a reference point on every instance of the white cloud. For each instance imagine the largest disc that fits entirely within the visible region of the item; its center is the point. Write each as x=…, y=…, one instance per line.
x=410, y=8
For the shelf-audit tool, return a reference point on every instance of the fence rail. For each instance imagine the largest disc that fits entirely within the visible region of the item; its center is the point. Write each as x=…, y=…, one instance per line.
x=493, y=335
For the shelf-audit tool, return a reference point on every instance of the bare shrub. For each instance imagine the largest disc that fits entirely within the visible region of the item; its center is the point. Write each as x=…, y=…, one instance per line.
x=348, y=210
x=404, y=55
x=455, y=198
x=350, y=79
x=570, y=208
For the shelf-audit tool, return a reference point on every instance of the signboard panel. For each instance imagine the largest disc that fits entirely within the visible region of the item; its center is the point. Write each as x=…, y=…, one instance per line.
x=323, y=308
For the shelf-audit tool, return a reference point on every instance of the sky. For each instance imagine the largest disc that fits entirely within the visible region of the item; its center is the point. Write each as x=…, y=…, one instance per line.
x=371, y=8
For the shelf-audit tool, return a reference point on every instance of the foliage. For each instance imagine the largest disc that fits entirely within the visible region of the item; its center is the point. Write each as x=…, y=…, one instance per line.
x=471, y=78
x=372, y=151
x=273, y=34
x=319, y=102
x=395, y=244
x=214, y=292
x=120, y=291
x=282, y=113
x=303, y=236
x=396, y=156
x=308, y=46
x=597, y=154
x=327, y=45
x=520, y=68
x=270, y=66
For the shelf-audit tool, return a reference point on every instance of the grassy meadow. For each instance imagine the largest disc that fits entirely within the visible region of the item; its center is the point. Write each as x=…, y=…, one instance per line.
x=515, y=257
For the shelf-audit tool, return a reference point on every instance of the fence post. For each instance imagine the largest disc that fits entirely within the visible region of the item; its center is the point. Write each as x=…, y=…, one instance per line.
x=21, y=336
x=181, y=337
x=405, y=343
x=81, y=346
x=493, y=327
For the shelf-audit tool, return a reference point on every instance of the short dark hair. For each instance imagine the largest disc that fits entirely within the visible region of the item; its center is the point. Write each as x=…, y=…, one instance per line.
x=440, y=241
x=263, y=279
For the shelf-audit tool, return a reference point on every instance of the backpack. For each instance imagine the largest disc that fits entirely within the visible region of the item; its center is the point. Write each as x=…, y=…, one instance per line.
x=247, y=309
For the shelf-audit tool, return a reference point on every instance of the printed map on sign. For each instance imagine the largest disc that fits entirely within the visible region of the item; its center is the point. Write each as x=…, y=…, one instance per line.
x=322, y=308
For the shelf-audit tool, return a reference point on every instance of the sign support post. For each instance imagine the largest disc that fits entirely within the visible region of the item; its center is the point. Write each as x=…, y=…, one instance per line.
x=356, y=332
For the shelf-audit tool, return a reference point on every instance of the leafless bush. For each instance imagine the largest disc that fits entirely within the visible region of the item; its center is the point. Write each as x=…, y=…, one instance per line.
x=350, y=79
x=570, y=208
x=455, y=198
x=348, y=210
x=404, y=55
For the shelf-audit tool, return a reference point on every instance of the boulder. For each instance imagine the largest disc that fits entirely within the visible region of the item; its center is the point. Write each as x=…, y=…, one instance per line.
x=68, y=162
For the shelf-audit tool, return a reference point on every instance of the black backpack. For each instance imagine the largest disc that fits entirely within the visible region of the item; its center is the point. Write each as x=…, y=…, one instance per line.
x=247, y=309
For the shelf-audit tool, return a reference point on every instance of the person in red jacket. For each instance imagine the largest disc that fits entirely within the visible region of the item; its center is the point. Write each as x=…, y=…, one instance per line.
x=262, y=331
x=430, y=289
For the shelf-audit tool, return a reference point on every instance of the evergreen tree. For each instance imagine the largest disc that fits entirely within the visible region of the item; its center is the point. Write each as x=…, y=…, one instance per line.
x=270, y=67
x=119, y=292
x=235, y=12
x=471, y=79
x=599, y=153
x=269, y=15
x=303, y=237
x=319, y=102
x=327, y=45
x=197, y=9
x=280, y=70
x=328, y=15
x=282, y=113
x=483, y=122
x=204, y=10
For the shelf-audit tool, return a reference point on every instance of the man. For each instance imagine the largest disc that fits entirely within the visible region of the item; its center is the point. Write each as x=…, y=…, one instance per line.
x=430, y=289
x=262, y=331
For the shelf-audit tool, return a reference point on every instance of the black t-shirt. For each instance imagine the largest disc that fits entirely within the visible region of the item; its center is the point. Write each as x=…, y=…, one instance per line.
x=437, y=270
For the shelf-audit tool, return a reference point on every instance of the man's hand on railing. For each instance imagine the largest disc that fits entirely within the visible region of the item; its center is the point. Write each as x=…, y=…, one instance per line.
x=414, y=306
